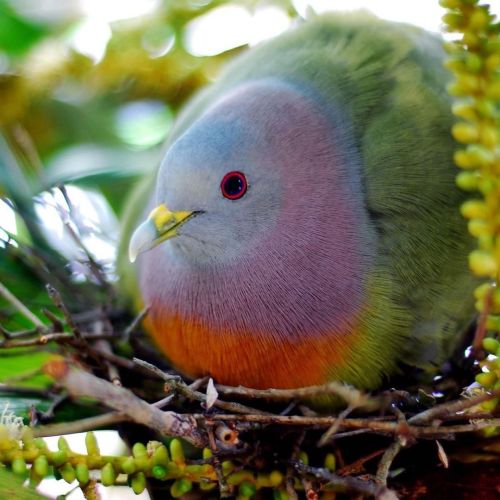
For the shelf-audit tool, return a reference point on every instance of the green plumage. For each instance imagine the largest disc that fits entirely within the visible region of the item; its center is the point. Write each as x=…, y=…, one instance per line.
x=389, y=83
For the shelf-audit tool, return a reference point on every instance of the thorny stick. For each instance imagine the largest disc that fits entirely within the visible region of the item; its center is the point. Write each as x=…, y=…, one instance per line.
x=14, y=301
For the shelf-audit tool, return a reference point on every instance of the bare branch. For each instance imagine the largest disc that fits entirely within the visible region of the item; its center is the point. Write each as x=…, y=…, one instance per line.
x=56, y=298
x=366, y=424
x=15, y=302
x=176, y=384
x=84, y=425
x=452, y=408
x=135, y=324
x=80, y=383
x=352, y=396
x=346, y=483
x=386, y=462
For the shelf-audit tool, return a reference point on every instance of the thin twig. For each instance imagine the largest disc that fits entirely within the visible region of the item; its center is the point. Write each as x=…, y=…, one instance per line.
x=366, y=424
x=386, y=462
x=135, y=324
x=358, y=466
x=56, y=298
x=20, y=334
x=83, y=425
x=452, y=408
x=164, y=402
x=25, y=391
x=326, y=437
x=59, y=337
x=224, y=489
x=57, y=324
x=104, y=346
x=94, y=266
x=354, y=397
x=176, y=384
x=347, y=484
x=15, y=302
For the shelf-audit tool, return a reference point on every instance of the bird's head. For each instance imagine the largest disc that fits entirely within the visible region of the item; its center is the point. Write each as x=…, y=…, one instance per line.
x=228, y=177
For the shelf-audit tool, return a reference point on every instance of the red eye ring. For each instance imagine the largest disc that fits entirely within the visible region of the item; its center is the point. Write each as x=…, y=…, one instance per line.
x=233, y=185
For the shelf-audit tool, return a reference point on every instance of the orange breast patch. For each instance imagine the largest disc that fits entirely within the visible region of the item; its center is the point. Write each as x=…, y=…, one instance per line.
x=251, y=359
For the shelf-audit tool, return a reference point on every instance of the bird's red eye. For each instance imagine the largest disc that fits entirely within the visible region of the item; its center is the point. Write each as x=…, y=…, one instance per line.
x=233, y=185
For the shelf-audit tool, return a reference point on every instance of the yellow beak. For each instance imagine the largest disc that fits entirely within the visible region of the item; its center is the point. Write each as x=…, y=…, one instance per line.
x=160, y=225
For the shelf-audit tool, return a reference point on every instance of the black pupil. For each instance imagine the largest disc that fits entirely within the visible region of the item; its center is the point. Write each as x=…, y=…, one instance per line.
x=233, y=185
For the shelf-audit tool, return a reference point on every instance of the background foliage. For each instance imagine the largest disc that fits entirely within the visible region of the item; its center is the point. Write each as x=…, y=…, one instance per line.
x=86, y=101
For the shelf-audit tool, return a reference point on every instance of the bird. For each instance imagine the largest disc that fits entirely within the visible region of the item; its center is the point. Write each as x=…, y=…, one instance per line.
x=303, y=224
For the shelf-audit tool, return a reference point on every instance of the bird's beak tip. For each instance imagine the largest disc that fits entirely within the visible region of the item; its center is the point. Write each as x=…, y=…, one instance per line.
x=142, y=239
x=161, y=225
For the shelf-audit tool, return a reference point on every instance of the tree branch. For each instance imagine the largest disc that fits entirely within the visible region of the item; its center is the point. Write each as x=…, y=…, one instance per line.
x=14, y=301
x=80, y=383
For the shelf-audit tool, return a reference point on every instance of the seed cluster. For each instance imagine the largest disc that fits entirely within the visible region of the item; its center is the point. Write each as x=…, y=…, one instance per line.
x=31, y=458
x=474, y=59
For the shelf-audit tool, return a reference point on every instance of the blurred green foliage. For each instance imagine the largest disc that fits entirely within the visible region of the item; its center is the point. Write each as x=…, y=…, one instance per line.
x=96, y=120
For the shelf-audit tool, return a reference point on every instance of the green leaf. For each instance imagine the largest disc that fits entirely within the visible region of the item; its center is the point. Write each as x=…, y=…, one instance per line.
x=17, y=35
x=24, y=364
x=11, y=486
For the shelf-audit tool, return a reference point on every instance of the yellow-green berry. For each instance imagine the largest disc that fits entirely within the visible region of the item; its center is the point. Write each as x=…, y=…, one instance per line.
x=128, y=466
x=91, y=444
x=159, y=472
x=491, y=345
x=486, y=379
x=138, y=483
x=180, y=487
x=68, y=473
x=108, y=474
x=19, y=466
x=176, y=451
x=82, y=473
x=41, y=465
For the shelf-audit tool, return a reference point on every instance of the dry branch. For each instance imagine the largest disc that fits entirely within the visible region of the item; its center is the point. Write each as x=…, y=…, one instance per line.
x=353, y=397
x=80, y=383
x=15, y=302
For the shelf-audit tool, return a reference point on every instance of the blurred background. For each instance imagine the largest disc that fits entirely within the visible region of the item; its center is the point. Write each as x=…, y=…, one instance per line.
x=88, y=92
